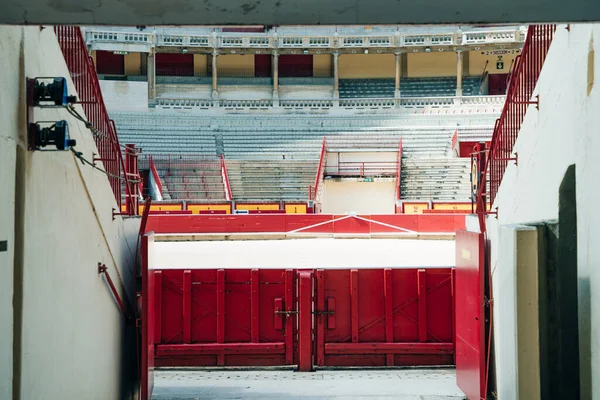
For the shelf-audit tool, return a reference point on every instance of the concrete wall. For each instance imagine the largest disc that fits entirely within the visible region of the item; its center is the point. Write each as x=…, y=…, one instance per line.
x=236, y=62
x=367, y=66
x=478, y=58
x=184, y=91
x=431, y=64
x=200, y=64
x=71, y=340
x=322, y=62
x=125, y=95
x=349, y=195
x=133, y=63
x=563, y=132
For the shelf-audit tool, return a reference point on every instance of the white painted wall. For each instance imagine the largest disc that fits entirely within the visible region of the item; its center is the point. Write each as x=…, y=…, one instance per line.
x=306, y=253
x=350, y=195
x=305, y=92
x=182, y=91
x=564, y=131
x=125, y=95
x=363, y=156
x=74, y=341
x=10, y=43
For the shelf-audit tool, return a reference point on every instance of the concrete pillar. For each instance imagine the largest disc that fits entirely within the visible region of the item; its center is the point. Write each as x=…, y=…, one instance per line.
x=397, y=84
x=336, y=75
x=459, y=72
x=275, y=66
x=151, y=74
x=215, y=89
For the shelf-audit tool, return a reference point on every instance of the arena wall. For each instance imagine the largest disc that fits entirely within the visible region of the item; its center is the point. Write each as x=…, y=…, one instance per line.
x=562, y=133
x=125, y=95
x=133, y=63
x=236, y=62
x=350, y=195
x=478, y=58
x=431, y=64
x=322, y=62
x=367, y=66
x=200, y=65
x=70, y=339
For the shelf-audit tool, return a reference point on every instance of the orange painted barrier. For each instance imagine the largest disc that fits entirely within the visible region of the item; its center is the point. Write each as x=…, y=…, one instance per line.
x=201, y=208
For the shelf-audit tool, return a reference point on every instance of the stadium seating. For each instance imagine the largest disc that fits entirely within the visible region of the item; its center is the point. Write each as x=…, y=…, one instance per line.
x=435, y=178
x=274, y=158
x=409, y=87
x=187, y=177
x=288, y=180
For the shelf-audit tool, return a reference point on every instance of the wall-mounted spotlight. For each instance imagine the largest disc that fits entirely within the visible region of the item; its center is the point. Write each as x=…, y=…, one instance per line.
x=50, y=92
x=305, y=51
x=427, y=49
x=184, y=50
x=45, y=133
x=366, y=51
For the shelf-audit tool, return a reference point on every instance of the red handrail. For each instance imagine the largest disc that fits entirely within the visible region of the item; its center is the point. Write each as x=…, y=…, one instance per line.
x=319, y=176
x=154, y=172
x=519, y=95
x=85, y=79
x=398, y=169
x=228, y=194
x=363, y=168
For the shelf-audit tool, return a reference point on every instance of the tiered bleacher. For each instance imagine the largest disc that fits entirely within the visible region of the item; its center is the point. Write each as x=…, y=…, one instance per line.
x=409, y=87
x=435, y=178
x=275, y=159
x=273, y=180
x=188, y=177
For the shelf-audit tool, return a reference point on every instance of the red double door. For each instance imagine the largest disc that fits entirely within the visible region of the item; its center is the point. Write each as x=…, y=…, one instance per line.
x=341, y=317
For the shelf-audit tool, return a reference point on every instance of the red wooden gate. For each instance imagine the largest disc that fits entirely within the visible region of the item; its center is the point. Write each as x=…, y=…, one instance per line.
x=384, y=317
x=210, y=317
x=147, y=319
x=260, y=317
x=470, y=314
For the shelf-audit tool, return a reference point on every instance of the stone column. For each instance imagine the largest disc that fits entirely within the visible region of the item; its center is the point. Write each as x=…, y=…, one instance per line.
x=336, y=78
x=275, y=68
x=215, y=89
x=397, y=83
x=151, y=74
x=459, y=72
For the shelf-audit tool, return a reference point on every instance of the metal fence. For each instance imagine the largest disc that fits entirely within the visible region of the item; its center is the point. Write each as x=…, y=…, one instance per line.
x=83, y=74
x=518, y=99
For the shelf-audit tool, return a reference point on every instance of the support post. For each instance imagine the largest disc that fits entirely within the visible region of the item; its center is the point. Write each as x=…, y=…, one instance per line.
x=221, y=314
x=397, y=83
x=305, y=321
x=275, y=66
x=459, y=73
x=151, y=75
x=215, y=89
x=336, y=79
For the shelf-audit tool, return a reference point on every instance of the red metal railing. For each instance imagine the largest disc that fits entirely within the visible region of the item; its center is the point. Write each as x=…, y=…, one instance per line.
x=362, y=169
x=519, y=95
x=313, y=190
x=154, y=172
x=83, y=74
x=398, y=170
x=187, y=176
x=228, y=193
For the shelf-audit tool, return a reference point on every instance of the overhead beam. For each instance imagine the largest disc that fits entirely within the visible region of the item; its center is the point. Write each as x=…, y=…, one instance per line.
x=283, y=12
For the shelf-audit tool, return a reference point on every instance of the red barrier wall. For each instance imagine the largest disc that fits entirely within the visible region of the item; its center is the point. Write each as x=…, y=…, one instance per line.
x=305, y=223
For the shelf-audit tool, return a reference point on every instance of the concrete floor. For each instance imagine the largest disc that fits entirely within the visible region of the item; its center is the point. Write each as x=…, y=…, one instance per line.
x=398, y=384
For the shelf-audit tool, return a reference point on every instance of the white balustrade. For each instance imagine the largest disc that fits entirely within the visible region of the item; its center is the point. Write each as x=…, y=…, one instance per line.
x=487, y=37
x=173, y=37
